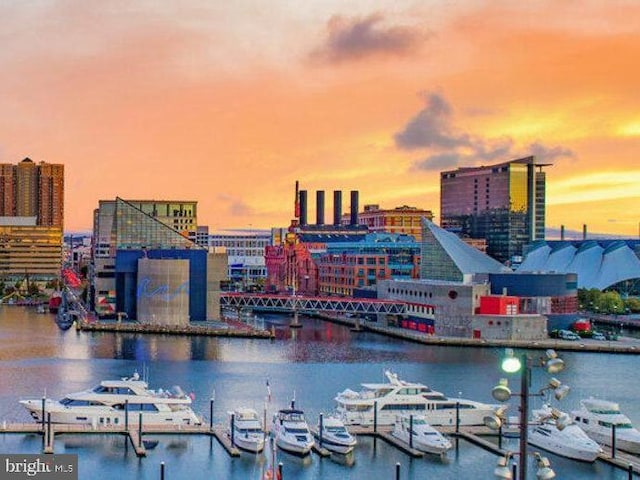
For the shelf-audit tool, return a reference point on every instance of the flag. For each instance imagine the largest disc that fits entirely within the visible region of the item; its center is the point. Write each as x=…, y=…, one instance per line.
x=268, y=391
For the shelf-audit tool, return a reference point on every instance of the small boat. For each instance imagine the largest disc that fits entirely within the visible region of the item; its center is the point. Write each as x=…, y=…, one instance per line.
x=248, y=432
x=291, y=431
x=116, y=402
x=334, y=436
x=597, y=418
x=425, y=437
x=570, y=441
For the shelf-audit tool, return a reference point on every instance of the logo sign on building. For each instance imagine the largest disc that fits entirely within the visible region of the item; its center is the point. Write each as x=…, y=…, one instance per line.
x=38, y=467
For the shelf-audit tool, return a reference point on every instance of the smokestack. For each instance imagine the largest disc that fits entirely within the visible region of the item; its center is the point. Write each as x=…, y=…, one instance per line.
x=354, y=207
x=297, y=202
x=562, y=232
x=303, y=208
x=584, y=231
x=320, y=207
x=337, y=208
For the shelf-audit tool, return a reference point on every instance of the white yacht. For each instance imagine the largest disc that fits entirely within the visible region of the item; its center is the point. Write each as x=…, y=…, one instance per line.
x=570, y=442
x=335, y=436
x=106, y=403
x=248, y=433
x=291, y=431
x=596, y=417
x=425, y=437
x=398, y=396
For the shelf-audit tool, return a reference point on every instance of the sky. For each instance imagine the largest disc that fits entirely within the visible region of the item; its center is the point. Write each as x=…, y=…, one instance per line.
x=229, y=103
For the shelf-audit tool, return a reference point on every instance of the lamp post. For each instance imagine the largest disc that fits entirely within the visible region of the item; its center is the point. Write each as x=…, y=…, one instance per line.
x=502, y=393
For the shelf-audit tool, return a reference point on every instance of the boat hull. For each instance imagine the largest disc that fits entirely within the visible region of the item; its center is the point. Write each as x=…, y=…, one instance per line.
x=332, y=445
x=436, y=448
x=251, y=445
x=296, y=448
x=104, y=415
x=564, y=450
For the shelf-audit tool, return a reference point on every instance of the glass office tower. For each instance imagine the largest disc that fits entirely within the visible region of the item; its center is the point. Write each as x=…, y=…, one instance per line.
x=504, y=204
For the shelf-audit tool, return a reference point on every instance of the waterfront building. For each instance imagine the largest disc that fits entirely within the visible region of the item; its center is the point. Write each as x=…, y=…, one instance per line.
x=403, y=220
x=29, y=250
x=552, y=294
x=33, y=190
x=149, y=270
x=246, y=254
x=347, y=266
x=605, y=264
x=502, y=203
x=446, y=257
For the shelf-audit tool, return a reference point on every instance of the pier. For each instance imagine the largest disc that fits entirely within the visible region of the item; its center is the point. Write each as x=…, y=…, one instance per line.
x=216, y=329
x=473, y=434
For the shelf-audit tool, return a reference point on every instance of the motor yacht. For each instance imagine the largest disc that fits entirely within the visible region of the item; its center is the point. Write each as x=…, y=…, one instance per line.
x=291, y=431
x=398, y=396
x=567, y=441
x=597, y=418
x=248, y=432
x=116, y=402
x=335, y=436
x=425, y=437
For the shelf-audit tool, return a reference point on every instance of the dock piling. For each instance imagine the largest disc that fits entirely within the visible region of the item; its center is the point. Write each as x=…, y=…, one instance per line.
x=411, y=431
x=630, y=472
x=320, y=429
x=375, y=416
x=126, y=415
x=140, y=430
x=233, y=425
x=398, y=471
x=211, y=412
x=613, y=440
x=280, y=470
x=161, y=470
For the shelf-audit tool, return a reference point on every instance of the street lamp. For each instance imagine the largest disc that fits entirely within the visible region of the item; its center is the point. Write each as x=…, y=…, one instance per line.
x=501, y=392
x=544, y=472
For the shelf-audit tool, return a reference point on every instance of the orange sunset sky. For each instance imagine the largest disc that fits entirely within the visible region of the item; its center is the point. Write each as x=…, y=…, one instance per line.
x=228, y=103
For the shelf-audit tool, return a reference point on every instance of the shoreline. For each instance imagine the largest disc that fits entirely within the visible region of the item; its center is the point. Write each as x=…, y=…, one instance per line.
x=627, y=345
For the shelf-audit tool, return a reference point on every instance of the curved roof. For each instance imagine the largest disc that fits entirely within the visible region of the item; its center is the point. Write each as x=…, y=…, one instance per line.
x=467, y=259
x=598, y=264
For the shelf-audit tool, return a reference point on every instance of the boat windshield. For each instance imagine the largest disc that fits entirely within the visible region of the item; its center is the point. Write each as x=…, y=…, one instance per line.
x=419, y=421
x=296, y=430
x=618, y=425
x=336, y=429
x=605, y=412
x=249, y=430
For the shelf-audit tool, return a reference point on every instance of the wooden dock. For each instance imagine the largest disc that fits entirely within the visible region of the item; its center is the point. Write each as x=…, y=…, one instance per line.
x=323, y=452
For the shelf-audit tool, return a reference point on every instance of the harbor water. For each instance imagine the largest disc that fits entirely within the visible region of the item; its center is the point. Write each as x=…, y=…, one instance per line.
x=310, y=364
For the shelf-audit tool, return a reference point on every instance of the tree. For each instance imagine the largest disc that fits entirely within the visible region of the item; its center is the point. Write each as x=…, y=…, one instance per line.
x=632, y=304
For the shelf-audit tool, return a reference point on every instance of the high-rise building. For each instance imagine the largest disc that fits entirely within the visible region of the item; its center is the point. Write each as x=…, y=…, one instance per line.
x=503, y=203
x=33, y=190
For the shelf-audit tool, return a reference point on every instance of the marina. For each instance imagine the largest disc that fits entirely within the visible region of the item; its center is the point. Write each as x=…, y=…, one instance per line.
x=46, y=358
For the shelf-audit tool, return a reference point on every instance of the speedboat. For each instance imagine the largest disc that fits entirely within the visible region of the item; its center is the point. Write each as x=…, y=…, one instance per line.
x=597, y=418
x=425, y=437
x=397, y=396
x=567, y=441
x=291, y=431
x=248, y=433
x=333, y=436
x=116, y=402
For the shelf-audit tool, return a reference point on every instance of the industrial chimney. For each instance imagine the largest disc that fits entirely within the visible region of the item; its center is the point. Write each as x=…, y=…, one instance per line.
x=337, y=208
x=354, y=208
x=584, y=231
x=320, y=207
x=303, y=208
x=562, y=232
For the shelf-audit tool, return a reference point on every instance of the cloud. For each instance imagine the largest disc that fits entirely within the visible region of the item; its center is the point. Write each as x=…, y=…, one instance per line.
x=236, y=206
x=433, y=129
x=542, y=152
x=356, y=38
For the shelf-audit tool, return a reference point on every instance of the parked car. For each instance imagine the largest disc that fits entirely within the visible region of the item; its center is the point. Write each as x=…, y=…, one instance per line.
x=598, y=336
x=568, y=335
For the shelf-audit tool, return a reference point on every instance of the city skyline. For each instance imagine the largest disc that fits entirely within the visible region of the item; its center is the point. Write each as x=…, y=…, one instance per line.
x=206, y=101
